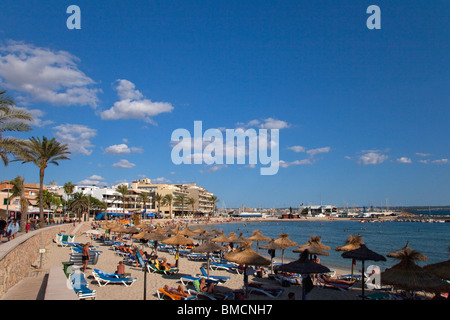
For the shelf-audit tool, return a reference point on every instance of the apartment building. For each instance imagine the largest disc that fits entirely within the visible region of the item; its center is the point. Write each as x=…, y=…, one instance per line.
x=11, y=209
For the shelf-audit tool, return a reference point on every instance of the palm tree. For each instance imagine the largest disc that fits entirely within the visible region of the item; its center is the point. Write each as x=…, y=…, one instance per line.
x=158, y=199
x=18, y=190
x=68, y=189
x=167, y=201
x=41, y=153
x=103, y=205
x=79, y=204
x=214, y=200
x=11, y=119
x=191, y=202
x=180, y=201
x=144, y=197
x=122, y=190
x=49, y=199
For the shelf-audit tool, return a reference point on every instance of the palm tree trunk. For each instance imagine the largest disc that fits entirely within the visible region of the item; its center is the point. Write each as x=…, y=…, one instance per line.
x=41, y=197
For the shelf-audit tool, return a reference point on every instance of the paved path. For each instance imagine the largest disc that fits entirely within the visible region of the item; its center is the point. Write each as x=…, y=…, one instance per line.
x=33, y=286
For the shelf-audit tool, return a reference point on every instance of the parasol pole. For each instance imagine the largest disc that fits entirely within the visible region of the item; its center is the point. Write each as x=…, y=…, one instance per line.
x=362, y=277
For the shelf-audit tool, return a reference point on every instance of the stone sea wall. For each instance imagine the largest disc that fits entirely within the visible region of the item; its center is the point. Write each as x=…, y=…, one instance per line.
x=18, y=255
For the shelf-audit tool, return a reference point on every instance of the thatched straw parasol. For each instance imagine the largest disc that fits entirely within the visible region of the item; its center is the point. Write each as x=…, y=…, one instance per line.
x=222, y=238
x=304, y=266
x=139, y=235
x=440, y=269
x=352, y=243
x=214, y=233
x=199, y=230
x=232, y=238
x=132, y=230
x=313, y=249
x=284, y=241
x=178, y=240
x=257, y=236
x=203, y=236
x=363, y=253
x=271, y=245
x=317, y=241
x=187, y=232
x=208, y=247
x=407, y=252
x=247, y=257
x=407, y=275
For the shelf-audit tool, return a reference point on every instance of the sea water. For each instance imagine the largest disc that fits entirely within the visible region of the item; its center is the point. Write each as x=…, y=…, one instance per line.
x=430, y=239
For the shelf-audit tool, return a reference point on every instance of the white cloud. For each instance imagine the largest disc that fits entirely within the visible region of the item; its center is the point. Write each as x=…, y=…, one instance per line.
x=372, y=157
x=404, y=160
x=217, y=168
x=297, y=148
x=285, y=164
x=160, y=180
x=423, y=154
x=92, y=180
x=132, y=105
x=440, y=161
x=269, y=123
x=123, y=163
x=313, y=152
x=77, y=136
x=45, y=75
x=118, y=149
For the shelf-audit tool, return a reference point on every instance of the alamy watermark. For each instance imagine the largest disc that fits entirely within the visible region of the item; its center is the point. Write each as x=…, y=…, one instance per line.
x=212, y=147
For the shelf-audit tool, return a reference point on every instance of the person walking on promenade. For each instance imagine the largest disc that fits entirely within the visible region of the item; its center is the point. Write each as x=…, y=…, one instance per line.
x=2, y=228
x=85, y=255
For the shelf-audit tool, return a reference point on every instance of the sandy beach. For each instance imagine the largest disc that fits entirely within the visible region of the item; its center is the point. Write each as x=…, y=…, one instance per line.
x=108, y=261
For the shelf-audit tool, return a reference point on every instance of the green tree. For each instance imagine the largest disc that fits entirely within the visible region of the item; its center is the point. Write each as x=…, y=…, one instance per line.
x=158, y=199
x=11, y=119
x=18, y=191
x=41, y=153
x=122, y=190
x=214, y=201
x=191, y=202
x=168, y=201
x=68, y=189
x=180, y=201
x=78, y=204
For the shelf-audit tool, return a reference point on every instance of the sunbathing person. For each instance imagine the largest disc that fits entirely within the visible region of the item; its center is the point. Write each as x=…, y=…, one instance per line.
x=211, y=288
x=165, y=265
x=338, y=281
x=206, y=288
x=178, y=291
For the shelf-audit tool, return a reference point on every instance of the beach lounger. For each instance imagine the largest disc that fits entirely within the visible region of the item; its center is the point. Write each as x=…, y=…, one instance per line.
x=185, y=280
x=322, y=283
x=211, y=296
x=80, y=286
x=104, y=280
x=224, y=266
x=282, y=279
x=108, y=274
x=152, y=267
x=348, y=277
x=270, y=292
x=197, y=256
x=173, y=295
x=76, y=249
x=204, y=274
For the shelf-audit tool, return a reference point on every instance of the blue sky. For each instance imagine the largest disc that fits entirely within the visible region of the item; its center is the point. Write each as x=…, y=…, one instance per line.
x=362, y=114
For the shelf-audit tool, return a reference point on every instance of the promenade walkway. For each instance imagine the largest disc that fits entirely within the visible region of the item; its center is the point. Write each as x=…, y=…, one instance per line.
x=32, y=287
